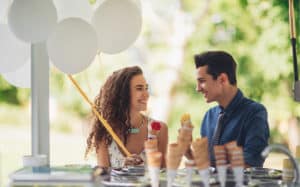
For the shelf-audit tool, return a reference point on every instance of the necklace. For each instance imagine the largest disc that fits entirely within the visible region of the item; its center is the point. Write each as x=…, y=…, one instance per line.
x=135, y=130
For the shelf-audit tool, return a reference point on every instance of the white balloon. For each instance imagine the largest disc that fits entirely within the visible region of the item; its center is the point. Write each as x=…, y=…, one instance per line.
x=138, y=3
x=118, y=24
x=73, y=8
x=99, y=2
x=73, y=45
x=21, y=77
x=32, y=20
x=4, y=4
x=13, y=52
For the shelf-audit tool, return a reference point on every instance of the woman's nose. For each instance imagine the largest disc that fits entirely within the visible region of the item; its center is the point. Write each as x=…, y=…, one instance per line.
x=198, y=88
x=146, y=93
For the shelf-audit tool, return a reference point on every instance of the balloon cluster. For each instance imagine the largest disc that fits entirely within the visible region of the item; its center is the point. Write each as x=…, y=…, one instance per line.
x=73, y=32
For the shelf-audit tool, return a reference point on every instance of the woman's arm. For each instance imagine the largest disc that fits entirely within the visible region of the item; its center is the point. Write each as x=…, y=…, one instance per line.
x=163, y=143
x=102, y=155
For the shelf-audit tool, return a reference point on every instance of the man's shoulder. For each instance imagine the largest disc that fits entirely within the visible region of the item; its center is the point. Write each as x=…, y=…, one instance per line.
x=252, y=105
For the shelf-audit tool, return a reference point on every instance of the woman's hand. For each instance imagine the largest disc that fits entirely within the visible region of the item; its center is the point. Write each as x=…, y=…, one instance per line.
x=133, y=160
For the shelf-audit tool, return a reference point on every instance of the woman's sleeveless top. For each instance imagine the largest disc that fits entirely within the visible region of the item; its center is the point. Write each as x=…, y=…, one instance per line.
x=116, y=157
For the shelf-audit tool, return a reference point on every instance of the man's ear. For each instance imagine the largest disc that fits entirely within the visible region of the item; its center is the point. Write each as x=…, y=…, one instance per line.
x=223, y=78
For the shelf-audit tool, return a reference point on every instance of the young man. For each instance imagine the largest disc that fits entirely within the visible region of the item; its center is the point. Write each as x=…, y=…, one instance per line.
x=236, y=117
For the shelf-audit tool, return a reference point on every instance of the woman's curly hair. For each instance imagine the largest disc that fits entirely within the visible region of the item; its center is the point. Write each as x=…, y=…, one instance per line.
x=113, y=104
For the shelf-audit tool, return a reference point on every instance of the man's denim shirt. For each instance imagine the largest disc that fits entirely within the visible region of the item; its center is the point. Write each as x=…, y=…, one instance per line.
x=246, y=122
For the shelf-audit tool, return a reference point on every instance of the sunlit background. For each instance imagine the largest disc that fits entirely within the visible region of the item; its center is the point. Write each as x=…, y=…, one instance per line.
x=255, y=32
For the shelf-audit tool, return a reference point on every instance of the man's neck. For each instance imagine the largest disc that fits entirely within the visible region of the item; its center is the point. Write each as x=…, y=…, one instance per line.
x=228, y=96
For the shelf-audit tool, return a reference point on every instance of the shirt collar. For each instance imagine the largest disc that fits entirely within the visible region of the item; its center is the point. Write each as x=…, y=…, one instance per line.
x=233, y=104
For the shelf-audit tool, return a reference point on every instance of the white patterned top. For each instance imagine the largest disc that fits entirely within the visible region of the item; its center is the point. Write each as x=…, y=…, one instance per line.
x=117, y=159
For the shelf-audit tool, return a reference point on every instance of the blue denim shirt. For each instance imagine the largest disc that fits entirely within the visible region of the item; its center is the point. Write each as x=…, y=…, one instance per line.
x=246, y=122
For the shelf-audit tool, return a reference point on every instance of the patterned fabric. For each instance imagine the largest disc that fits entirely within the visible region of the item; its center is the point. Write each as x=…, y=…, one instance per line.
x=116, y=157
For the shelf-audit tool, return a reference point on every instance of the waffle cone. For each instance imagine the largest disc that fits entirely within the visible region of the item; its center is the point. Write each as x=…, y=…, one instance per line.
x=174, y=150
x=190, y=163
x=153, y=132
x=183, y=146
x=151, y=145
x=200, y=152
x=221, y=162
x=173, y=162
x=200, y=147
x=187, y=125
x=200, y=144
x=174, y=155
x=185, y=134
x=154, y=159
x=220, y=157
x=239, y=163
x=219, y=149
x=202, y=165
x=231, y=145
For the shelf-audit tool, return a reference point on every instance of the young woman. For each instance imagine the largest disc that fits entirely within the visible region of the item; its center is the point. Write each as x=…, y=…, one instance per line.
x=121, y=100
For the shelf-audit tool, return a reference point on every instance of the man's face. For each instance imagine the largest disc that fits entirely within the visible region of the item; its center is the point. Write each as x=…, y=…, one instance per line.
x=210, y=88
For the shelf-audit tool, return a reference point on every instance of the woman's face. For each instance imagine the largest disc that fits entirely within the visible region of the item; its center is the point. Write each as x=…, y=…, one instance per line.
x=139, y=94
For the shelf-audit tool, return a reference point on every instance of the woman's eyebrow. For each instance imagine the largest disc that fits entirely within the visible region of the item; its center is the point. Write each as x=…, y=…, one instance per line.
x=141, y=85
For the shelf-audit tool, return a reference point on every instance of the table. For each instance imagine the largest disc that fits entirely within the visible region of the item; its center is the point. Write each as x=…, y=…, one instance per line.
x=83, y=177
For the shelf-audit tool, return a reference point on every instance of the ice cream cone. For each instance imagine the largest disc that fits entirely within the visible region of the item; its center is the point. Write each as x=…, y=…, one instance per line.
x=185, y=134
x=151, y=145
x=200, y=153
x=186, y=121
x=154, y=159
x=154, y=163
x=231, y=145
x=189, y=166
x=171, y=174
x=153, y=134
x=238, y=176
x=204, y=173
x=222, y=174
x=174, y=155
x=184, y=143
x=220, y=155
x=154, y=129
x=236, y=157
x=221, y=162
x=154, y=176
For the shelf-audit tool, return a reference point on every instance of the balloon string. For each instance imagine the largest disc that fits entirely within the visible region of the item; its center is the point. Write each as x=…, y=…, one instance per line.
x=103, y=121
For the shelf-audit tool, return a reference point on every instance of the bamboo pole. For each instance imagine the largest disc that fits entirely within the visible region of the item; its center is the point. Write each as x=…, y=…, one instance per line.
x=103, y=121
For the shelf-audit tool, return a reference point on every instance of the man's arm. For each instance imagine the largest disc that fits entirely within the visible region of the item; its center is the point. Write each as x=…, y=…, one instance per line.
x=256, y=134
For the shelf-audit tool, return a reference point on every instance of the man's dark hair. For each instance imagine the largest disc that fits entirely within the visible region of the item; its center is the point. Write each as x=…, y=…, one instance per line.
x=217, y=62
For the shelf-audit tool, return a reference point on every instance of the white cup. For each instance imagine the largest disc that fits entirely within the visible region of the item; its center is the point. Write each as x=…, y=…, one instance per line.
x=35, y=160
